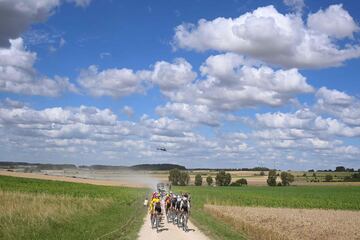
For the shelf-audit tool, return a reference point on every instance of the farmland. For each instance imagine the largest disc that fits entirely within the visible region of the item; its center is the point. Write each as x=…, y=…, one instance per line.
x=40, y=209
x=311, y=197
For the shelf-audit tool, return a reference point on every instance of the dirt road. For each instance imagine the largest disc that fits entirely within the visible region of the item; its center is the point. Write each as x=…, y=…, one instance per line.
x=169, y=231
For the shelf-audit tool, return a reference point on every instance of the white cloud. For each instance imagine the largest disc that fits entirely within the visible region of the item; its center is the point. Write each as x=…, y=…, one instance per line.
x=110, y=82
x=128, y=111
x=230, y=85
x=334, y=21
x=339, y=104
x=171, y=76
x=190, y=113
x=270, y=36
x=17, y=15
x=308, y=121
x=296, y=5
x=80, y=3
x=17, y=74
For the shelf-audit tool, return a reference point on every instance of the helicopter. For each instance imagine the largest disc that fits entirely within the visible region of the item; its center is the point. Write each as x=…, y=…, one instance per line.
x=162, y=149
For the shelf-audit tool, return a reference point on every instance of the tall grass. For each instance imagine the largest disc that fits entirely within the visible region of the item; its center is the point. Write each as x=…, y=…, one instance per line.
x=40, y=209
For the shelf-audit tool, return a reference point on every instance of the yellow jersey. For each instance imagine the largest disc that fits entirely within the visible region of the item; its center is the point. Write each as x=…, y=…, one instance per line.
x=152, y=204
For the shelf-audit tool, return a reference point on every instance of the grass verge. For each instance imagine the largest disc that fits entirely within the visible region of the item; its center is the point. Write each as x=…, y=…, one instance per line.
x=41, y=209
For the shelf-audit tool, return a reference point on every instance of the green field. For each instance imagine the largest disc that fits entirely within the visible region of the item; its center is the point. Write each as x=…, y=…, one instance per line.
x=40, y=209
x=323, y=197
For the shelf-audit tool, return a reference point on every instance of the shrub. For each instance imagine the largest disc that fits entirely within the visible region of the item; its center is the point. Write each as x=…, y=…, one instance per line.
x=198, y=180
x=239, y=182
x=271, y=181
x=286, y=178
x=262, y=173
x=328, y=178
x=209, y=180
x=279, y=184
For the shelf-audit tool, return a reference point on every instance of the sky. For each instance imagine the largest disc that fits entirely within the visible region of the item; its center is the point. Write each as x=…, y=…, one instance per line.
x=219, y=84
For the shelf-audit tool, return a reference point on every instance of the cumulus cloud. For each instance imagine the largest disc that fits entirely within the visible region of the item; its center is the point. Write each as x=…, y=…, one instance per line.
x=230, y=85
x=191, y=113
x=307, y=120
x=115, y=82
x=273, y=37
x=334, y=21
x=171, y=76
x=296, y=5
x=128, y=111
x=338, y=104
x=17, y=15
x=17, y=74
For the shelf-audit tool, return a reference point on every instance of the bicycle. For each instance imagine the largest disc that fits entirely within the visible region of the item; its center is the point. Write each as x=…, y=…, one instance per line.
x=185, y=218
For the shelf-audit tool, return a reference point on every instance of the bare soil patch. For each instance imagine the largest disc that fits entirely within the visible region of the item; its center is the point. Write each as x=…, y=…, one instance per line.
x=287, y=223
x=73, y=179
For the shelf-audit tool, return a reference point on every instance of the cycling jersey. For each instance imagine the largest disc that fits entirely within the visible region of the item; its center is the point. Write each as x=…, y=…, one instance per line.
x=155, y=205
x=185, y=205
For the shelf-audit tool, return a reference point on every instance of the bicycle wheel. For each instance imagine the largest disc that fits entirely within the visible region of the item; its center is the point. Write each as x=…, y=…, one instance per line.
x=185, y=220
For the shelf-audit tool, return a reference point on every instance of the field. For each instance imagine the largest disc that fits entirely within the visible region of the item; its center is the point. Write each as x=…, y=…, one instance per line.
x=290, y=223
x=311, y=197
x=41, y=209
x=79, y=211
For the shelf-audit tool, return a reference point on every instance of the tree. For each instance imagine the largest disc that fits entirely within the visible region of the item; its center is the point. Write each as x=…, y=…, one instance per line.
x=227, y=179
x=271, y=181
x=223, y=178
x=198, y=180
x=184, y=178
x=262, y=173
x=286, y=178
x=174, y=176
x=209, y=180
x=177, y=177
x=328, y=178
x=340, y=169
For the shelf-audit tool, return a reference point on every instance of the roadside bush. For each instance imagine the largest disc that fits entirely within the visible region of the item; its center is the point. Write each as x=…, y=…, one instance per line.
x=223, y=178
x=262, y=173
x=198, y=180
x=353, y=178
x=209, y=180
x=271, y=181
x=239, y=182
x=286, y=178
x=328, y=178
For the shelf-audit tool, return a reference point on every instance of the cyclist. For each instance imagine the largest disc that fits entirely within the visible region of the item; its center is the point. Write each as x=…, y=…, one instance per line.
x=184, y=208
x=177, y=207
x=154, y=205
x=167, y=203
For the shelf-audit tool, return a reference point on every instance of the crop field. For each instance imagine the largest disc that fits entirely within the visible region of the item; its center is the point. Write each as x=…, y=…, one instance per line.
x=41, y=209
x=290, y=223
x=300, y=197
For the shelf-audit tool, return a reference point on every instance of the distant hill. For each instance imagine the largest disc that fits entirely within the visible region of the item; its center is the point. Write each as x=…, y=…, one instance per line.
x=155, y=167
x=105, y=167
x=37, y=166
x=48, y=166
x=231, y=169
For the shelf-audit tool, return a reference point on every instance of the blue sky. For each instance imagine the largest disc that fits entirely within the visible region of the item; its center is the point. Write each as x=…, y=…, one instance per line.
x=219, y=84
